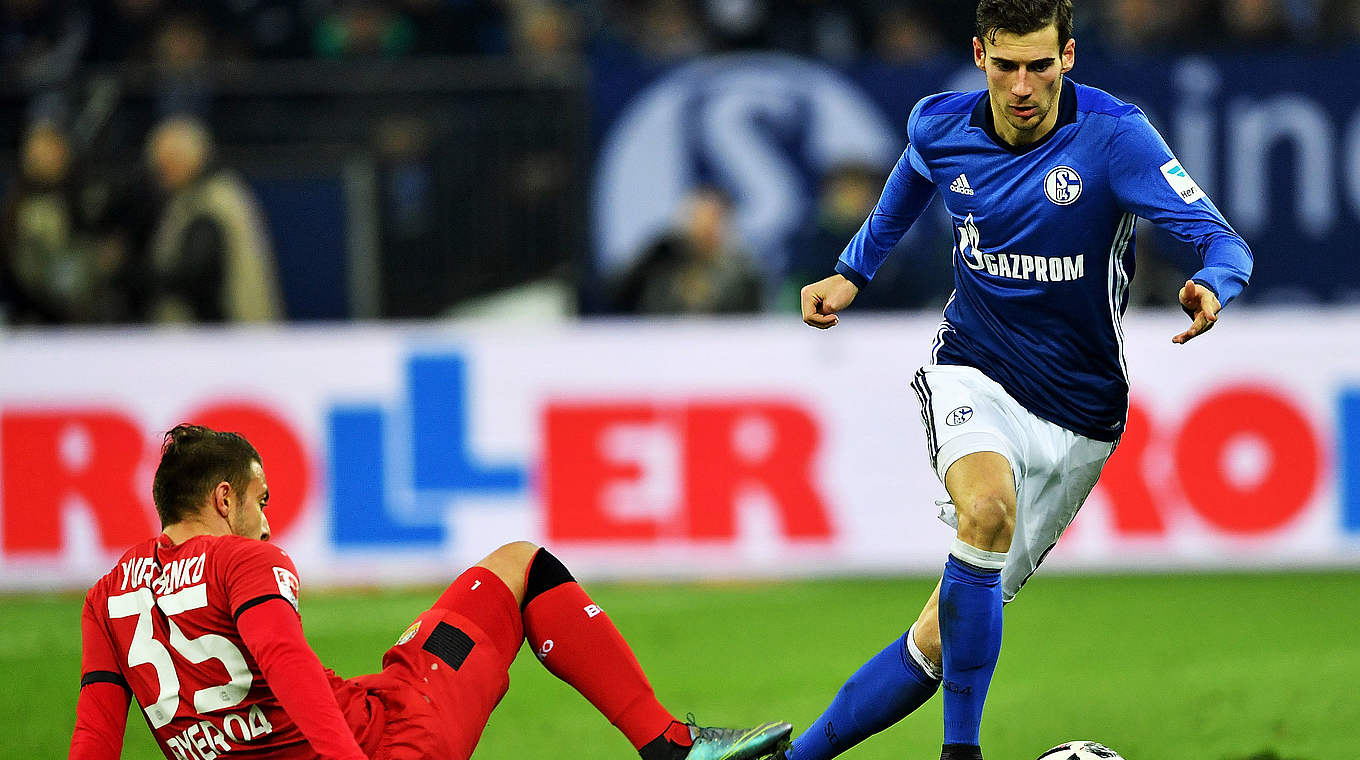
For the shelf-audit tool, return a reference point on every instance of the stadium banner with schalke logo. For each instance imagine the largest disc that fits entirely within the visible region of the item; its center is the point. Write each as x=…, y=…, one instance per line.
x=1273, y=144
x=752, y=448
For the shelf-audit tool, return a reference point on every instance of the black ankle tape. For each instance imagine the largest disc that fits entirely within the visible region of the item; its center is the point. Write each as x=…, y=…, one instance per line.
x=961, y=752
x=662, y=748
x=545, y=572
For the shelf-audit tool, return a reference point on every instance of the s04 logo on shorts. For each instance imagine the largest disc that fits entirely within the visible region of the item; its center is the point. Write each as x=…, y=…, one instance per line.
x=959, y=416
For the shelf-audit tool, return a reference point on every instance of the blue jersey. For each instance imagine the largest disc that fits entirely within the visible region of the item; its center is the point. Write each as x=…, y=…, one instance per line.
x=1043, y=244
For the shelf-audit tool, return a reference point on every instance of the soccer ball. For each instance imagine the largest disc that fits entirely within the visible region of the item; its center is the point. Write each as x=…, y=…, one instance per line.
x=1081, y=750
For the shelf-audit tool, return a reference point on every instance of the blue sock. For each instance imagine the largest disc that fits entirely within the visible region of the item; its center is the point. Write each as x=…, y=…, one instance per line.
x=883, y=691
x=970, y=631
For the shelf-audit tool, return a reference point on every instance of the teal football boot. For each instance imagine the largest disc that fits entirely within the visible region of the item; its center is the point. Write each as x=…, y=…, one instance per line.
x=737, y=743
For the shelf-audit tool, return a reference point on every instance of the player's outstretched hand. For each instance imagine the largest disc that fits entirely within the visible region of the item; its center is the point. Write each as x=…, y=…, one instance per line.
x=1199, y=303
x=822, y=299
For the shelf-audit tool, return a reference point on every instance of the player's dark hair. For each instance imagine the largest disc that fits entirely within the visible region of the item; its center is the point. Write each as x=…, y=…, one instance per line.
x=194, y=459
x=1023, y=17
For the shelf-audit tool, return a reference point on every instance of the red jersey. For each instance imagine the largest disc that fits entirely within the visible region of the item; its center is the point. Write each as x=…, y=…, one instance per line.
x=164, y=624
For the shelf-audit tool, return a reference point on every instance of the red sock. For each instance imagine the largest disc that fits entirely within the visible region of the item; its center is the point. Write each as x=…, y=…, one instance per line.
x=579, y=644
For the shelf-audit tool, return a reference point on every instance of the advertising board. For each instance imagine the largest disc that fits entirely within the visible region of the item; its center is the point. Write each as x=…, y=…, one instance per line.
x=688, y=449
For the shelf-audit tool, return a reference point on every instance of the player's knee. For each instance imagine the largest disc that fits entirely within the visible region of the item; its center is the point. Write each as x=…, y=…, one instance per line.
x=517, y=555
x=987, y=520
x=510, y=563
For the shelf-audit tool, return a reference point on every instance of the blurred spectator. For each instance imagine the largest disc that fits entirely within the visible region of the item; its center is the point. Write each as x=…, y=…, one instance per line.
x=56, y=269
x=364, y=29
x=848, y=194
x=210, y=258
x=904, y=35
x=182, y=44
x=907, y=279
x=831, y=31
x=1140, y=24
x=736, y=23
x=261, y=28
x=1256, y=22
x=182, y=49
x=666, y=30
x=1339, y=20
x=42, y=41
x=546, y=36
x=693, y=269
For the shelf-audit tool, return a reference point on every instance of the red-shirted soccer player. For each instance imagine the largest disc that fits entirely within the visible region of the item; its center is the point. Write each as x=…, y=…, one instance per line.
x=201, y=625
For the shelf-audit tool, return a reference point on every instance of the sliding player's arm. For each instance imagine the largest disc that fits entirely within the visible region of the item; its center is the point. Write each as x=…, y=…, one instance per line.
x=102, y=708
x=272, y=631
x=262, y=592
x=1149, y=181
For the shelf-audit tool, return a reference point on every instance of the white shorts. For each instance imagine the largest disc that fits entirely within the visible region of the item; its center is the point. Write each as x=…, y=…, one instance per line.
x=1055, y=469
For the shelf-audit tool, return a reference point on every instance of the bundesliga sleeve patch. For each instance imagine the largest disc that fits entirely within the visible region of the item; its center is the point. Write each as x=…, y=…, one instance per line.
x=1179, y=180
x=288, y=585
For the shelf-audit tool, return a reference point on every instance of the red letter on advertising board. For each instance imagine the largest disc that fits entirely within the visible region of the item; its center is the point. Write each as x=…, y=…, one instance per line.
x=1290, y=476
x=1132, y=505
x=41, y=471
x=578, y=473
x=769, y=446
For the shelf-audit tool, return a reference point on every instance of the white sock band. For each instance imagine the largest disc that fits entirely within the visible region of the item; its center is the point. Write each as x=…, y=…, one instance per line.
x=931, y=669
x=978, y=557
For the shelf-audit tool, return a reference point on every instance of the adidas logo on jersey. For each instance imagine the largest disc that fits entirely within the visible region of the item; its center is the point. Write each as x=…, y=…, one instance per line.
x=961, y=185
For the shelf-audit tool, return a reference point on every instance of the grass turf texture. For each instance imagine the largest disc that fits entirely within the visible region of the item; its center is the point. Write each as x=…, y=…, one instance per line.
x=1196, y=667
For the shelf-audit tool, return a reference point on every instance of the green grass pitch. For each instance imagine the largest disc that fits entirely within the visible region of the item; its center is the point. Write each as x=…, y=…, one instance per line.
x=1160, y=667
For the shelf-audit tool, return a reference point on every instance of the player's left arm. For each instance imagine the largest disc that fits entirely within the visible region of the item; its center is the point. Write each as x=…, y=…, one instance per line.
x=262, y=589
x=1150, y=182
x=272, y=631
x=102, y=708
x=1201, y=305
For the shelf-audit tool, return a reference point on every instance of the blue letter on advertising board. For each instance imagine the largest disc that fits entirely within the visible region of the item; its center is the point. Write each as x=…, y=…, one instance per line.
x=1348, y=455
x=370, y=505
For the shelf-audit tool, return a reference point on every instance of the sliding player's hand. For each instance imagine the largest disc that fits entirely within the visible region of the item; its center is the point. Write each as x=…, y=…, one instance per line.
x=822, y=299
x=1199, y=303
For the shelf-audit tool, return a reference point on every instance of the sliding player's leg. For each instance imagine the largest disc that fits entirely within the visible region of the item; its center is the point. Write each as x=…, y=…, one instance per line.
x=577, y=642
x=886, y=689
x=448, y=671
x=982, y=488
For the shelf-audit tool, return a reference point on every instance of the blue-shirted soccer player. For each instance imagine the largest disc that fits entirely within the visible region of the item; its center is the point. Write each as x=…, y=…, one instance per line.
x=1026, y=393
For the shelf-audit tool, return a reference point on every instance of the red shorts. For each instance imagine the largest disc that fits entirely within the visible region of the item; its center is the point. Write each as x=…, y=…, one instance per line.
x=448, y=671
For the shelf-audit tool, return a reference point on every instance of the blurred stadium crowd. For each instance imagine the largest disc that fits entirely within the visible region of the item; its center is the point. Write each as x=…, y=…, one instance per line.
x=44, y=40
x=91, y=234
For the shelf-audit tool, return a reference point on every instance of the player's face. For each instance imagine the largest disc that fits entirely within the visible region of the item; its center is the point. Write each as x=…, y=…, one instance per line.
x=247, y=516
x=1024, y=78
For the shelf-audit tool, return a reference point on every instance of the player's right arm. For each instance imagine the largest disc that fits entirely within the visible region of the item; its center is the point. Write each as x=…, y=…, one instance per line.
x=823, y=298
x=102, y=708
x=905, y=196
